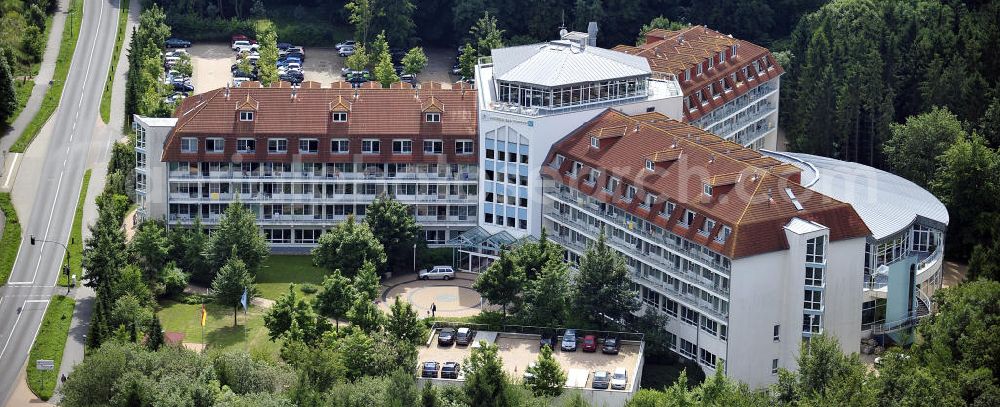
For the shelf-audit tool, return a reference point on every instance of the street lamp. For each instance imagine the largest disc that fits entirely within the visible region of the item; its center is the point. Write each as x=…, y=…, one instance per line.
x=65, y=266
x=414, y=257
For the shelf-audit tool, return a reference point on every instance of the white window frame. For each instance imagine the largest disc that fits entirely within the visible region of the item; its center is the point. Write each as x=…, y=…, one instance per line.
x=812, y=278
x=774, y=367
x=707, y=226
x=650, y=166
x=435, y=147
x=277, y=143
x=306, y=142
x=650, y=200
x=812, y=300
x=216, y=142
x=432, y=117
x=776, y=333
x=189, y=144
x=595, y=142
x=405, y=146
x=689, y=217
x=371, y=146
x=244, y=142
x=460, y=147
x=724, y=234
x=337, y=142
x=339, y=117
x=246, y=116
x=707, y=189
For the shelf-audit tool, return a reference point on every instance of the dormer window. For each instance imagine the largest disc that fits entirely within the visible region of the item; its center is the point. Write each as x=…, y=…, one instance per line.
x=699, y=69
x=722, y=56
x=650, y=201
x=593, y=176
x=733, y=53
x=711, y=63
x=595, y=142
x=577, y=166
x=246, y=116
x=689, y=216
x=189, y=145
x=687, y=74
x=612, y=185
x=707, y=189
x=707, y=227
x=558, y=162
x=432, y=117
x=668, y=209
x=339, y=117
x=630, y=193
x=649, y=165
x=724, y=234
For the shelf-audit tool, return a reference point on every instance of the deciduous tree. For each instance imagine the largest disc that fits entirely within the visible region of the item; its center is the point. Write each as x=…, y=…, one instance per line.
x=152, y=247
x=547, y=298
x=549, y=377
x=467, y=61
x=486, y=35
x=396, y=229
x=347, y=246
x=502, y=282
x=912, y=148
x=8, y=96
x=968, y=159
x=231, y=282
x=267, y=37
x=602, y=287
x=238, y=235
x=413, y=62
x=336, y=297
x=289, y=311
x=403, y=323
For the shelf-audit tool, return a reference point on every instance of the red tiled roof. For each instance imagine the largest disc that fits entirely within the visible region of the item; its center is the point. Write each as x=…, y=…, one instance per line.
x=307, y=112
x=748, y=197
x=673, y=52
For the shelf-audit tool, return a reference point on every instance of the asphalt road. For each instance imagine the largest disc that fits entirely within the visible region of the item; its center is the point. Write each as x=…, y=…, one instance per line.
x=25, y=298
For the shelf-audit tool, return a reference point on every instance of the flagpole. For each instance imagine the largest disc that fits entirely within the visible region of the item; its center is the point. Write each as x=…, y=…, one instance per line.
x=203, y=344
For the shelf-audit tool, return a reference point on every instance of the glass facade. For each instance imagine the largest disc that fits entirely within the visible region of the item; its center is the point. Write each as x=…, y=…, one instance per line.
x=526, y=95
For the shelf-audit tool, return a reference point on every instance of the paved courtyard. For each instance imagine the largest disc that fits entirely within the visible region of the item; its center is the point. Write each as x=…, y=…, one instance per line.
x=453, y=298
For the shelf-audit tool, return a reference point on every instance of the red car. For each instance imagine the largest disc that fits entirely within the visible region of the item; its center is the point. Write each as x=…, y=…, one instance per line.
x=589, y=343
x=241, y=37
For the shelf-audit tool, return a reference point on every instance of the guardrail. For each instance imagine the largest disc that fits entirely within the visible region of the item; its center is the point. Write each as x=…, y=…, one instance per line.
x=535, y=330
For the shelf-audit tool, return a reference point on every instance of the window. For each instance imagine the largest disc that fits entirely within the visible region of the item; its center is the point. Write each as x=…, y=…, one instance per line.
x=812, y=300
x=594, y=142
x=215, y=145
x=671, y=307
x=650, y=200
x=688, y=349
x=707, y=358
x=688, y=218
x=776, y=335
x=432, y=117
x=402, y=146
x=814, y=276
x=308, y=146
x=709, y=326
x=711, y=63
x=699, y=69
x=722, y=56
x=246, y=145
x=339, y=117
x=687, y=74
x=433, y=147
x=593, y=176
x=371, y=146
x=339, y=146
x=707, y=189
x=733, y=51
x=558, y=162
x=246, y=116
x=189, y=145
x=612, y=185
x=649, y=165
x=630, y=193
x=707, y=226
x=668, y=209
x=577, y=166
x=774, y=367
x=463, y=147
x=277, y=145
x=815, y=250
x=724, y=234
x=811, y=323
x=689, y=316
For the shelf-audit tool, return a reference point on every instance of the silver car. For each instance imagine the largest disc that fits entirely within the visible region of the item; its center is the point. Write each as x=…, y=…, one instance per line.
x=619, y=378
x=437, y=273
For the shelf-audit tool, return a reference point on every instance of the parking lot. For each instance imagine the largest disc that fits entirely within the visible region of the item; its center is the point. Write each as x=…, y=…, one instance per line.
x=212, y=62
x=518, y=350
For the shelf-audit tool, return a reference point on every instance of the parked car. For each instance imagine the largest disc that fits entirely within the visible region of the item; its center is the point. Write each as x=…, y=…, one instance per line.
x=183, y=87
x=347, y=43
x=292, y=77
x=450, y=370
x=611, y=345
x=177, y=43
x=411, y=79
x=171, y=60
x=238, y=80
x=619, y=379
x=589, y=343
x=346, y=51
x=175, y=97
x=548, y=338
x=446, y=337
x=294, y=66
x=297, y=55
x=602, y=379
x=437, y=273
x=456, y=69
x=284, y=45
x=430, y=369
x=296, y=48
x=568, y=340
x=244, y=46
x=464, y=336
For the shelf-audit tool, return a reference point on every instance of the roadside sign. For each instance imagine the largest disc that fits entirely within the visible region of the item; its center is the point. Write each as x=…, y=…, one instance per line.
x=43, y=364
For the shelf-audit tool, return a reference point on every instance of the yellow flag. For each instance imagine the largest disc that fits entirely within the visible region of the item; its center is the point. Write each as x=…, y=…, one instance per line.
x=204, y=315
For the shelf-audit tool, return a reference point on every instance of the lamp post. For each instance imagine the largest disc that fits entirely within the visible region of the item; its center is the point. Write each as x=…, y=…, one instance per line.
x=65, y=266
x=414, y=257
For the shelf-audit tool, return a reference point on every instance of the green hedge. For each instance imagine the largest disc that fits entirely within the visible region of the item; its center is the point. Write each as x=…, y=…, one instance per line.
x=11, y=240
x=196, y=28
x=119, y=37
x=49, y=344
x=76, y=236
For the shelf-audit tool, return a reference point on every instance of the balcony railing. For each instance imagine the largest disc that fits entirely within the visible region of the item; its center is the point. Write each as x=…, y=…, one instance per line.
x=740, y=103
x=343, y=176
x=319, y=199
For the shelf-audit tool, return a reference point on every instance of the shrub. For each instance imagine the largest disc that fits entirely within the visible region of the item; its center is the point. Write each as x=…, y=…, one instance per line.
x=309, y=288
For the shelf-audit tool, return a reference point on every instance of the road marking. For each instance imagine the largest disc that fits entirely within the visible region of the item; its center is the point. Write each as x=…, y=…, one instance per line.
x=19, y=282
x=41, y=250
x=11, y=170
x=12, y=328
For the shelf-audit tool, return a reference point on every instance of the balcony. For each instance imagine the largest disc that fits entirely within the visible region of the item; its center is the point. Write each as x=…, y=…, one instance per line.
x=258, y=176
x=928, y=264
x=734, y=106
x=659, y=238
x=678, y=272
x=728, y=131
x=685, y=299
x=318, y=199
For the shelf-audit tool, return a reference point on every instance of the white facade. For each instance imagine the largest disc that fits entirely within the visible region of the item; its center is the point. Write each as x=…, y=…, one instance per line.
x=150, y=173
x=529, y=131
x=750, y=120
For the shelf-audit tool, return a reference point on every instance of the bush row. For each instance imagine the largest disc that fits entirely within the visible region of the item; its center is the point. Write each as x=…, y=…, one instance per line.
x=196, y=28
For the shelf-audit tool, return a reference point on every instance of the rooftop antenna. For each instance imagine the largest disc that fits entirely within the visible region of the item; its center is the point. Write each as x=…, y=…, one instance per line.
x=227, y=91
x=562, y=26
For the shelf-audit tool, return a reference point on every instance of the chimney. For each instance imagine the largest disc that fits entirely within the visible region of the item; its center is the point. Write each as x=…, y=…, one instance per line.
x=592, y=34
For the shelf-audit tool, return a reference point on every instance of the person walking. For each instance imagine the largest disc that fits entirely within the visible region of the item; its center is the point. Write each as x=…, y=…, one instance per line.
x=434, y=309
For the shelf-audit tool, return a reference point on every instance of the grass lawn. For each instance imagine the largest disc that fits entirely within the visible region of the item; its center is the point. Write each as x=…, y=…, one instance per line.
x=219, y=330
x=106, y=97
x=279, y=271
x=11, y=240
x=49, y=344
x=51, y=100
x=76, y=236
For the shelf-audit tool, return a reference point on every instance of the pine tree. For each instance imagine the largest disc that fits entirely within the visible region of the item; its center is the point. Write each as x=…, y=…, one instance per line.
x=603, y=288
x=154, y=337
x=239, y=236
x=8, y=96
